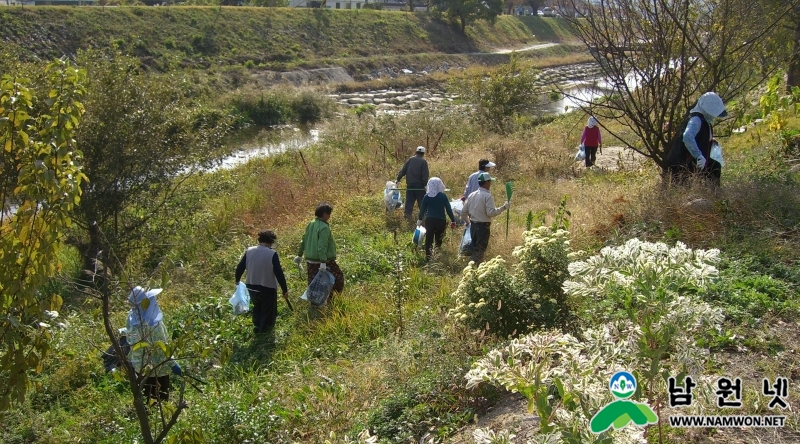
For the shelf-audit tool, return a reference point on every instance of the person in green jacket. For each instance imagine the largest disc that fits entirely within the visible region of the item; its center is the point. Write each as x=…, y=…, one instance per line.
x=319, y=248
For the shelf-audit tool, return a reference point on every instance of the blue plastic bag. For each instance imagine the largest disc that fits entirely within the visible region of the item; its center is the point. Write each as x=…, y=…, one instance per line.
x=240, y=299
x=319, y=288
x=465, y=249
x=419, y=237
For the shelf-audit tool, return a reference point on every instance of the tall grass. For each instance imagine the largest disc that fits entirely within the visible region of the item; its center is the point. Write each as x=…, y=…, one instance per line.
x=347, y=367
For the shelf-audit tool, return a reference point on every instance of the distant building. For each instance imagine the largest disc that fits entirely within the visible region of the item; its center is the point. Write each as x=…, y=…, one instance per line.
x=64, y=2
x=394, y=5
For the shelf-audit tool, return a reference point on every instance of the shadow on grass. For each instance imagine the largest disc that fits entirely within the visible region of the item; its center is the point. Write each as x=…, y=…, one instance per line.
x=255, y=352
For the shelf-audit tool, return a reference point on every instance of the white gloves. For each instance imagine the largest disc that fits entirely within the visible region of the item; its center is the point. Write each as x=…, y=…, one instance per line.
x=322, y=266
x=701, y=163
x=297, y=260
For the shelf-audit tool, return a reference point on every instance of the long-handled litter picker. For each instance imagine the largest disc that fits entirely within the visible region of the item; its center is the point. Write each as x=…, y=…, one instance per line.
x=508, y=212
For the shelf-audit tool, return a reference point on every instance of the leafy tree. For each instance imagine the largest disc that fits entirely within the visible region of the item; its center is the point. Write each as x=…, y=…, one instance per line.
x=659, y=56
x=503, y=93
x=467, y=11
x=185, y=344
x=143, y=136
x=42, y=178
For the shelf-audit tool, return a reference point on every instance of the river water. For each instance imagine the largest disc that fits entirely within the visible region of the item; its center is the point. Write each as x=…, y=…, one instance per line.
x=576, y=84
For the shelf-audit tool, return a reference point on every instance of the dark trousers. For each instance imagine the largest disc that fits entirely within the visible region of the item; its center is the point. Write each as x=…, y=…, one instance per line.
x=413, y=196
x=333, y=267
x=712, y=173
x=434, y=229
x=265, y=307
x=479, y=231
x=591, y=155
x=156, y=388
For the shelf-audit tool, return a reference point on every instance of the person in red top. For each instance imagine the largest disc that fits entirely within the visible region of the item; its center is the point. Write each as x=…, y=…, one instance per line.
x=591, y=140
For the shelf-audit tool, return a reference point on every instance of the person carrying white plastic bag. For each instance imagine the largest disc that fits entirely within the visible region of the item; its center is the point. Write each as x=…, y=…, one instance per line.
x=264, y=274
x=434, y=210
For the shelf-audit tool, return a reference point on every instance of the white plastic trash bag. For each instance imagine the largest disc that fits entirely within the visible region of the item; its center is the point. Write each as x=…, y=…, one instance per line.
x=240, y=299
x=419, y=237
x=457, y=207
x=716, y=153
x=319, y=288
x=391, y=197
x=581, y=154
x=465, y=249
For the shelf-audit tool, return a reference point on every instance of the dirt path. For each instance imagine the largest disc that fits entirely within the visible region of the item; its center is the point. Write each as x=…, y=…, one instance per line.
x=615, y=158
x=527, y=48
x=511, y=414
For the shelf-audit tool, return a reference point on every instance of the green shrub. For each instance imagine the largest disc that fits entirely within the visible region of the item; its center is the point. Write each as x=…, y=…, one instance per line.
x=501, y=94
x=746, y=294
x=487, y=298
x=282, y=107
x=542, y=269
x=308, y=107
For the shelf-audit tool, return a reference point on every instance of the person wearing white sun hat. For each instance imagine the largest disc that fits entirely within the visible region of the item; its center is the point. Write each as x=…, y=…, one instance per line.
x=591, y=140
x=691, y=148
x=145, y=324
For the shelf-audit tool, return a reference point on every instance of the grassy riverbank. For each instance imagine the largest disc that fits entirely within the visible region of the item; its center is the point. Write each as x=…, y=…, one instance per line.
x=173, y=38
x=385, y=357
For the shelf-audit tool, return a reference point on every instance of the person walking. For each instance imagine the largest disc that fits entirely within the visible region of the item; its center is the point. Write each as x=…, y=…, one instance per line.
x=472, y=181
x=319, y=248
x=145, y=324
x=264, y=274
x=691, y=149
x=591, y=140
x=415, y=170
x=432, y=210
x=478, y=211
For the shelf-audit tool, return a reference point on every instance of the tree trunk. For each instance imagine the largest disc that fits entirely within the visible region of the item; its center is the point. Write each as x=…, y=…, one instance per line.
x=463, y=24
x=793, y=73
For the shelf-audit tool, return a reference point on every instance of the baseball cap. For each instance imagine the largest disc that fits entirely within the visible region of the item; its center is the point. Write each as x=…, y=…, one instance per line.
x=485, y=163
x=485, y=177
x=420, y=149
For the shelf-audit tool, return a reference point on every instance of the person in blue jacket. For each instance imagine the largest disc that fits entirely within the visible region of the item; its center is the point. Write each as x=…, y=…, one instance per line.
x=434, y=205
x=691, y=149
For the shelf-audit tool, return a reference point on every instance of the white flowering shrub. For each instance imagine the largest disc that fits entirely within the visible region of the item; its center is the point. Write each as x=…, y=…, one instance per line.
x=530, y=298
x=645, y=297
x=655, y=287
x=486, y=298
x=540, y=274
x=488, y=436
x=565, y=380
x=637, y=274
